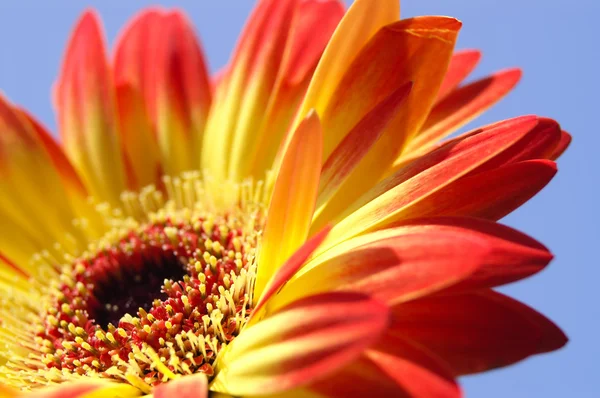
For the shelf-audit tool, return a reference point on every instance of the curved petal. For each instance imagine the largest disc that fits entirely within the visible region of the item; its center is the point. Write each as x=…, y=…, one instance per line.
x=418, y=372
x=284, y=273
x=478, y=331
x=159, y=56
x=561, y=147
x=357, y=143
x=415, y=49
x=244, y=93
x=87, y=112
x=490, y=194
x=461, y=65
x=393, y=197
x=395, y=265
x=303, y=342
x=139, y=144
x=511, y=255
x=192, y=386
x=314, y=22
x=463, y=105
x=362, y=20
x=32, y=165
x=293, y=201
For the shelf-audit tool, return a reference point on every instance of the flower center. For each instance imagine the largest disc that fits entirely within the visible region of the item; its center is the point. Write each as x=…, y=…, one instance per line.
x=158, y=296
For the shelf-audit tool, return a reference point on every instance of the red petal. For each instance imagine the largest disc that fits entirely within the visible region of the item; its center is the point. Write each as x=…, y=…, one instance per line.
x=561, y=147
x=490, y=194
x=159, y=56
x=311, y=29
x=305, y=341
x=511, y=255
x=463, y=105
x=86, y=112
x=394, y=265
x=392, y=198
x=474, y=332
x=419, y=372
x=461, y=65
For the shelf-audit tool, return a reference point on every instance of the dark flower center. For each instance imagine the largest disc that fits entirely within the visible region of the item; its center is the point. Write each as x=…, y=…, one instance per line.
x=129, y=289
x=161, y=301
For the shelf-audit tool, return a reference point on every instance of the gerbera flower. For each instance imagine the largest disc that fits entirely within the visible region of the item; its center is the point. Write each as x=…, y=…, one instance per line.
x=290, y=226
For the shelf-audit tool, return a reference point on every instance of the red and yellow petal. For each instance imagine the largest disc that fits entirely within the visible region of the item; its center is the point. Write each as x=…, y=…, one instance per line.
x=159, y=57
x=392, y=198
x=490, y=194
x=363, y=19
x=313, y=23
x=356, y=144
x=478, y=331
x=303, y=342
x=284, y=273
x=414, y=50
x=419, y=261
x=85, y=102
x=243, y=95
x=293, y=201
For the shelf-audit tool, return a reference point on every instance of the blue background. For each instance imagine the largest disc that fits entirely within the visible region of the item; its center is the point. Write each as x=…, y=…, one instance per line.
x=554, y=41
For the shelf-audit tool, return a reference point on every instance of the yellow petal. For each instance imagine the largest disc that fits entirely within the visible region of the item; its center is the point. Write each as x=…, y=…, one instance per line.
x=293, y=201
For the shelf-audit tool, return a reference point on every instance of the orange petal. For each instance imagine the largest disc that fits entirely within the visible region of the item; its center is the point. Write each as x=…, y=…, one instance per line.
x=461, y=65
x=474, y=332
x=417, y=50
x=243, y=95
x=311, y=28
x=491, y=194
x=293, y=201
x=357, y=143
x=159, y=55
x=392, y=265
x=87, y=112
x=305, y=341
x=393, y=197
x=192, y=386
x=283, y=274
x=463, y=105
x=363, y=19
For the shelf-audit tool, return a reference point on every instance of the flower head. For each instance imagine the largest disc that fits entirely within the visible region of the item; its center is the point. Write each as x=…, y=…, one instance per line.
x=292, y=225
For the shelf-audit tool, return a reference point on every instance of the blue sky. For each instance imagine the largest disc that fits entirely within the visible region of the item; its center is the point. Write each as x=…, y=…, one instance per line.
x=554, y=41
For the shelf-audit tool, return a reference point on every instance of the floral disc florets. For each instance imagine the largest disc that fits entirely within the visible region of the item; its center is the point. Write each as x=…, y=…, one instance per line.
x=162, y=299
